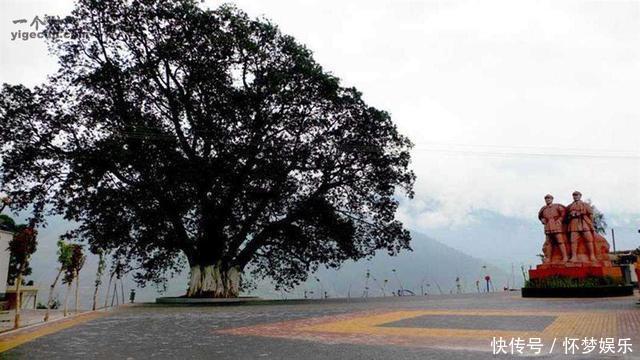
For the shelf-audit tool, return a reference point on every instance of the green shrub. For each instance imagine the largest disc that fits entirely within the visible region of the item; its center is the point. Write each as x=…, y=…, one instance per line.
x=7, y=223
x=55, y=304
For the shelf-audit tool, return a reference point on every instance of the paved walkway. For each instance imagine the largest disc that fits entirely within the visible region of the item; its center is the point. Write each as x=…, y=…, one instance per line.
x=435, y=327
x=15, y=338
x=27, y=317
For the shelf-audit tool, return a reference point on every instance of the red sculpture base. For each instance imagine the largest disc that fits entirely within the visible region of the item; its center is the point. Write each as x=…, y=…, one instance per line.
x=577, y=272
x=582, y=267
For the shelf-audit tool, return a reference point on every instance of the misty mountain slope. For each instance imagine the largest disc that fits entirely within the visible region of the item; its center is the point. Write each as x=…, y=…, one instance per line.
x=431, y=262
x=495, y=237
x=504, y=240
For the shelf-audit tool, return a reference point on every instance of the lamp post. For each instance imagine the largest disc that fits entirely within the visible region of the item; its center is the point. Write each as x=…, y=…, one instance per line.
x=365, y=293
x=320, y=287
x=399, y=282
x=487, y=278
x=422, y=285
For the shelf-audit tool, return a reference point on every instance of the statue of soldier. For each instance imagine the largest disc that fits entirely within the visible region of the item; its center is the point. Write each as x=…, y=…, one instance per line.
x=552, y=215
x=580, y=224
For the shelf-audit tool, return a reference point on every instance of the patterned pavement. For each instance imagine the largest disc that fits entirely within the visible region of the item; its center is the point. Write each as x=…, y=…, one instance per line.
x=473, y=326
x=18, y=337
x=467, y=329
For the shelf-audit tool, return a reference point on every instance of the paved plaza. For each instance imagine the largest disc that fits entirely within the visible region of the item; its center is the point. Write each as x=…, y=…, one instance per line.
x=468, y=326
x=27, y=317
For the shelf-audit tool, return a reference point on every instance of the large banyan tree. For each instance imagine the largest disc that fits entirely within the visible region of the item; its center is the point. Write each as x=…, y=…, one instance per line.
x=172, y=132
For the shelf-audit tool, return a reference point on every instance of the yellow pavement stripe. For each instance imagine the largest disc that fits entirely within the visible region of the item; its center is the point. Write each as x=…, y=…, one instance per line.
x=8, y=342
x=566, y=324
x=370, y=325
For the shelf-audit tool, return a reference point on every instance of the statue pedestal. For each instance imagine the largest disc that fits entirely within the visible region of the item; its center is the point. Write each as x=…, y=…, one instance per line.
x=608, y=288
x=565, y=278
x=582, y=267
x=576, y=271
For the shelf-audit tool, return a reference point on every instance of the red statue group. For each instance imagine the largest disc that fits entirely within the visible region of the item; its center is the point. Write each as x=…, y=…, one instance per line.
x=572, y=247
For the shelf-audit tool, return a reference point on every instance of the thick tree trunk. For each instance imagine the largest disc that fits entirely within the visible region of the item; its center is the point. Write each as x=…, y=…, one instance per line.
x=53, y=286
x=212, y=281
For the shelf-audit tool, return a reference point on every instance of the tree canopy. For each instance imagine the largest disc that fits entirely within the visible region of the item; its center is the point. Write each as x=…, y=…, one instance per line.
x=599, y=222
x=172, y=132
x=74, y=259
x=7, y=223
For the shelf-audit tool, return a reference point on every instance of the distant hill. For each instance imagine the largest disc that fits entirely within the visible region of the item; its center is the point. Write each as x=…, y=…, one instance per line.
x=496, y=238
x=504, y=241
x=431, y=263
x=492, y=239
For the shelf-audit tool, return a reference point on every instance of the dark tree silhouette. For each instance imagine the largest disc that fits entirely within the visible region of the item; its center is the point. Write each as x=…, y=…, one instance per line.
x=21, y=247
x=170, y=130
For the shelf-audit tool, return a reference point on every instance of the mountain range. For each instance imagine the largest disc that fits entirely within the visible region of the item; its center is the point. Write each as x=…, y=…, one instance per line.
x=432, y=267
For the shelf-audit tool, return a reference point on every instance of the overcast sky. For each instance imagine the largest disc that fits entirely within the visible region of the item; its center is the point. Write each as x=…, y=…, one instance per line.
x=505, y=100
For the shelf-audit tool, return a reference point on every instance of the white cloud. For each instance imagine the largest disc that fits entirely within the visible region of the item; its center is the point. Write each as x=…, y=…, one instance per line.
x=526, y=78
x=468, y=81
